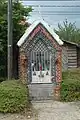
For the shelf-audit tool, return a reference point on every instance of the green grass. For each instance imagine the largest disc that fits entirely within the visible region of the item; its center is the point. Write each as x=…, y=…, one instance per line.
x=14, y=96
x=70, y=88
x=71, y=76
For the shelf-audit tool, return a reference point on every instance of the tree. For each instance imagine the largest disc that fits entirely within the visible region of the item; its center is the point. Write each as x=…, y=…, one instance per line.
x=19, y=14
x=69, y=32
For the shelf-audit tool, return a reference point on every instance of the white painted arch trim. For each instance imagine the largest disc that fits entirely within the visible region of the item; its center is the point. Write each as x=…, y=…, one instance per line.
x=32, y=27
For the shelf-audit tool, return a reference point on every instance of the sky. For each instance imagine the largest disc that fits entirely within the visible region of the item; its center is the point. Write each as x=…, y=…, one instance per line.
x=55, y=12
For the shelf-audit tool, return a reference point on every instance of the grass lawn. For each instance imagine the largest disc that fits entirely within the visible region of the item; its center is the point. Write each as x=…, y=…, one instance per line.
x=71, y=76
x=70, y=88
x=14, y=96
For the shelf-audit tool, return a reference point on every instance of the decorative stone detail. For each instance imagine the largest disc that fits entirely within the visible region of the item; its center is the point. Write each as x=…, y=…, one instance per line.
x=59, y=67
x=24, y=58
x=57, y=91
x=22, y=68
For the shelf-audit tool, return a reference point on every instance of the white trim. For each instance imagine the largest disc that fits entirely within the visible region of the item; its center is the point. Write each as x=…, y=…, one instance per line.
x=31, y=28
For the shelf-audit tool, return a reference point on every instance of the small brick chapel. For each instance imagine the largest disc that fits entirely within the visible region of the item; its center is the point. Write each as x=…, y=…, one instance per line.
x=40, y=55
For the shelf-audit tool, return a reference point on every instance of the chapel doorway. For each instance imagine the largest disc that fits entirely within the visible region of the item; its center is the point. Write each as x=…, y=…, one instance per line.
x=41, y=66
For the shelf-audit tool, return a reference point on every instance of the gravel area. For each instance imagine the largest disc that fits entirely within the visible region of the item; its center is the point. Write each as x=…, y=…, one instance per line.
x=15, y=117
x=49, y=110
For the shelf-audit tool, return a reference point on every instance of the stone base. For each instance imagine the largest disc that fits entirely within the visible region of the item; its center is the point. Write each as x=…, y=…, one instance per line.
x=57, y=92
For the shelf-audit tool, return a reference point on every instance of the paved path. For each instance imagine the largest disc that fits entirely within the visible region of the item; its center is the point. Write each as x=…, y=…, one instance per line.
x=57, y=111
x=49, y=110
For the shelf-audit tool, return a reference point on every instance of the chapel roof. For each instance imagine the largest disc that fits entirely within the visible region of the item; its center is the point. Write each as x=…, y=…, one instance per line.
x=33, y=26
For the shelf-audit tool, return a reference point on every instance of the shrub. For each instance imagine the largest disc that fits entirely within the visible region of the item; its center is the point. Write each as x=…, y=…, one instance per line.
x=14, y=96
x=70, y=88
x=2, y=79
x=70, y=92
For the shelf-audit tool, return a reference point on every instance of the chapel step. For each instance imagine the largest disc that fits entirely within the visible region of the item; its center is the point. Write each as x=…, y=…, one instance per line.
x=41, y=91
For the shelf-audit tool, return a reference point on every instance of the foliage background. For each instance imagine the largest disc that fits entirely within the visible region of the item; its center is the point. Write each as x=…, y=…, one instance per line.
x=19, y=26
x=69, y=32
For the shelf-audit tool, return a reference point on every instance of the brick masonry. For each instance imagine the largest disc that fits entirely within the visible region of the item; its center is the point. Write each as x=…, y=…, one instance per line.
x=23, y=59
